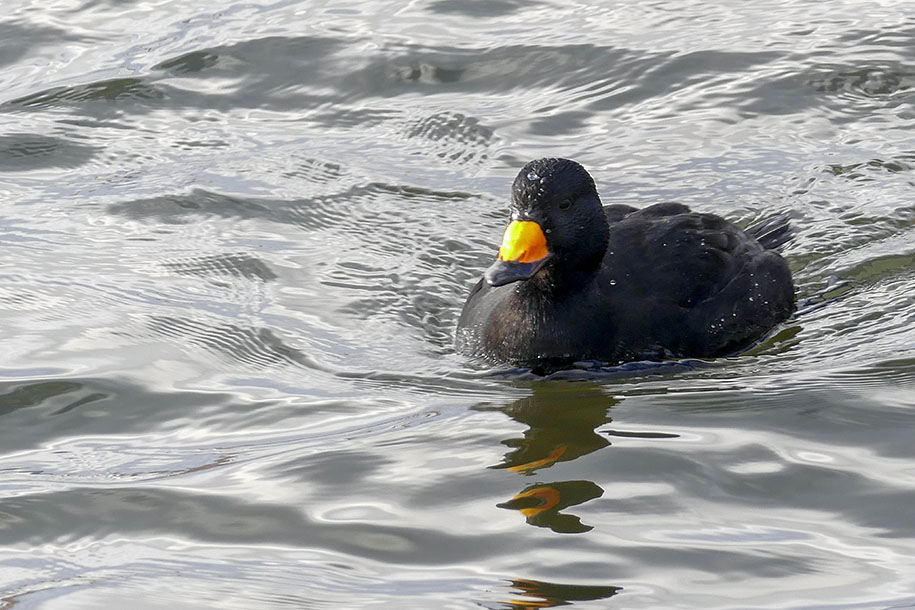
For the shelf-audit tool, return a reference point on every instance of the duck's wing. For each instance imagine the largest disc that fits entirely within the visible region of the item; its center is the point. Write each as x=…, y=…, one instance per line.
x=667, y=253
x=696, y=282
x=617, y=212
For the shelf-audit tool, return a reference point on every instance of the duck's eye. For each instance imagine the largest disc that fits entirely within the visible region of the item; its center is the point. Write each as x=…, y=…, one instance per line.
x=565, y=204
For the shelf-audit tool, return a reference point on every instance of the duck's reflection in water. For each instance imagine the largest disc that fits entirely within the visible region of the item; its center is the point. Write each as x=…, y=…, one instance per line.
x=562, y=420
x=539, y=594
x=542, y=504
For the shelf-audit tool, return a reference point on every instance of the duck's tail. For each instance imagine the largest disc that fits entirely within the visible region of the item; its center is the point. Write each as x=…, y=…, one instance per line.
x=772, y=232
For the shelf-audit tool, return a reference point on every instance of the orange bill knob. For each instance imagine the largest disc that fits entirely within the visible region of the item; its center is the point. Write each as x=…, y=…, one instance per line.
x=522, y=254
x=523, y=242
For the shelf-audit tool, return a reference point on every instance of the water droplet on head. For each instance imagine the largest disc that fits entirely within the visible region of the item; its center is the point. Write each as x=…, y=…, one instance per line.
x=532, y=176
x=613, y=282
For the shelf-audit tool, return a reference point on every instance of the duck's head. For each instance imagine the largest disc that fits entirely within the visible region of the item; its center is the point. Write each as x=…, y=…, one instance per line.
x=557, y=223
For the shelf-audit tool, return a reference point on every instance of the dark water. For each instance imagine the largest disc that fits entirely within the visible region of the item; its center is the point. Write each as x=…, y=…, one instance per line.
x=236, y=238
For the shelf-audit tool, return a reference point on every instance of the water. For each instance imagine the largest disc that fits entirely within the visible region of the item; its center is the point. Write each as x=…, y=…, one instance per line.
x=237, y=238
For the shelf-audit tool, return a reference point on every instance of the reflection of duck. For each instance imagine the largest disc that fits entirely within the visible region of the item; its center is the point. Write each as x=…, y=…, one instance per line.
x=542, y=505
x=616, y=283
x=562, y=420
x=539, y=594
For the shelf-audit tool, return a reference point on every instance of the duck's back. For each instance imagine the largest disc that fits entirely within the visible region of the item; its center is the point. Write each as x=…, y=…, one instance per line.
x=691, y=283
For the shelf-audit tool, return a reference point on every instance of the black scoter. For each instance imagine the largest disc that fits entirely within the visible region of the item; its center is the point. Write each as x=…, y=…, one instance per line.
x=577, y=280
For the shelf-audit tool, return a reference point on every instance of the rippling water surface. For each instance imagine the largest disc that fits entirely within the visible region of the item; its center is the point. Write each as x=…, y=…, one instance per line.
x=236, y=239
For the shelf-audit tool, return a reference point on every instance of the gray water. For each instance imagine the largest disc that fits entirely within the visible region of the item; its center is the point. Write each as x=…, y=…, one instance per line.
x=236, y=239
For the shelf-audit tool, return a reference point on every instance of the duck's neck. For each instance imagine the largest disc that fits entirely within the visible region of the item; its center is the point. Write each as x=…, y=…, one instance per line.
x=530, y=324
x=557, y=282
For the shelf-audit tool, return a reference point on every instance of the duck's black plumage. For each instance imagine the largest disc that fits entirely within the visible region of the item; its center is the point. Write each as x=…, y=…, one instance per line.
x=615, y=283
